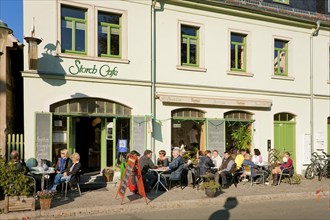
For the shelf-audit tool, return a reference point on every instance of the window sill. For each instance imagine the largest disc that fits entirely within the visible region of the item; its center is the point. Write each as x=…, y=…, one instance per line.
x=240, y=74
x=290, y=78
x=81, y=57
x=188, y=68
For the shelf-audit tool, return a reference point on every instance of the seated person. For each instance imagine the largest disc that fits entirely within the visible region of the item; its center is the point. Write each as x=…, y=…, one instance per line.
x=247, y=162
x=69, y=173
x=217, y=160
x=20, y=165
x=162, y=161
x=205, y=163
x=176, y=166
x=226, y=170
x=62, y=163
x=149, y=177
x=239, y=159
x=257, y=158
x=287, y=166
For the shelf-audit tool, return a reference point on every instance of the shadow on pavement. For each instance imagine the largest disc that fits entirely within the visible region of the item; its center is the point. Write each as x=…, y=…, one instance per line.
x=224, y=214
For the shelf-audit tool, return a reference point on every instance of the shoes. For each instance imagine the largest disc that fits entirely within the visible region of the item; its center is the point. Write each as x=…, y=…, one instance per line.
x=235, y=184
x=225, y=187
x=245, y=180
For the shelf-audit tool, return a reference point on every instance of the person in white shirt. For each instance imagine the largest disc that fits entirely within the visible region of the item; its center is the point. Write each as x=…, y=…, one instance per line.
x=217, y=160
x=257, y=158
x=193, y=137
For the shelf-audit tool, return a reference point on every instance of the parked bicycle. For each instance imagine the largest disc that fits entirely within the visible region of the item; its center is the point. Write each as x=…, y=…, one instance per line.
x=319, y=166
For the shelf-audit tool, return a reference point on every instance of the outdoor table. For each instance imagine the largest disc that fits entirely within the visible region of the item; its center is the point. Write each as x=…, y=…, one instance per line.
x=43, y=173
x=160, y=173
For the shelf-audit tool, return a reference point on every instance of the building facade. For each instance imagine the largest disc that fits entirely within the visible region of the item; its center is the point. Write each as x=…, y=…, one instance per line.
x=142, y=74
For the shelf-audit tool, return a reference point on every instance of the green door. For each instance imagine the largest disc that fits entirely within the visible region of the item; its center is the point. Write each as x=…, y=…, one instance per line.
x=285, y=138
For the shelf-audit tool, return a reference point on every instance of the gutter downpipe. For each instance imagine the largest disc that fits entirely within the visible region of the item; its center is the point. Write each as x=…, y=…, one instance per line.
x=153, y=71
x=315, y=33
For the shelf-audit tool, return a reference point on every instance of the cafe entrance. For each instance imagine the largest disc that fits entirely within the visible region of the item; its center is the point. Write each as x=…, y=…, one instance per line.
x=91, y=127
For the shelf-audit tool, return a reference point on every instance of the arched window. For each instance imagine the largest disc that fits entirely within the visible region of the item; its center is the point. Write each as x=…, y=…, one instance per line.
x=187, y=113
x=285, y=116
x=91, y=106
x=238, y=115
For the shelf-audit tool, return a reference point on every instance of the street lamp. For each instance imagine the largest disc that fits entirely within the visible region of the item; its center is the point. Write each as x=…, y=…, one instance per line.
x=4, y=31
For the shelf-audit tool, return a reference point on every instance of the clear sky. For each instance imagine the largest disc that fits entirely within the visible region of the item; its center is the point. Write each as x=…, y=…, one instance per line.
x=11, y=12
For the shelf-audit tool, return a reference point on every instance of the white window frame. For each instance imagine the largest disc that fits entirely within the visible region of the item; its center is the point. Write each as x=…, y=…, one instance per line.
x=201, y=67
x=290, y=58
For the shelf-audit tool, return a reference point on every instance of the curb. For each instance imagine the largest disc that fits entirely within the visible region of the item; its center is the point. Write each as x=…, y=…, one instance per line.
x=142, y=207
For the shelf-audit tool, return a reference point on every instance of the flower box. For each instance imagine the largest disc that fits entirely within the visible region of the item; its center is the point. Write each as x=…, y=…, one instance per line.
x=19, y=203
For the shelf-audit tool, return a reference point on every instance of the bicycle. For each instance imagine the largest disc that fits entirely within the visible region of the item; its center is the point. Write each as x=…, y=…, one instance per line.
x=325, y=171
x=318, y=167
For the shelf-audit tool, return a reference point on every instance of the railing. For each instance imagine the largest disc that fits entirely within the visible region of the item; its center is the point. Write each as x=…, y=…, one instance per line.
x=15, y=142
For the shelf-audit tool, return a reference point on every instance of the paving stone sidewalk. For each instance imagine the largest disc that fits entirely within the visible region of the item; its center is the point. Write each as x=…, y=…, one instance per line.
x=101, y=200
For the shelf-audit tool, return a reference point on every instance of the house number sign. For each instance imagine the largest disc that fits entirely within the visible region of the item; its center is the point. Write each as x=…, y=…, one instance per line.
x=104, y=70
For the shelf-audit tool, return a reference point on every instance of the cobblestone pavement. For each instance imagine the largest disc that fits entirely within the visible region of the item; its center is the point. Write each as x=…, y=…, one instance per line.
x=101, y=200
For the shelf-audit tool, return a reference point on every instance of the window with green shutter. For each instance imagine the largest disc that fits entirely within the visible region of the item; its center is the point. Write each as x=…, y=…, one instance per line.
x=73, y=30
x=238, y=52
x=280, y=57
x=189, y=46
x=109, y=34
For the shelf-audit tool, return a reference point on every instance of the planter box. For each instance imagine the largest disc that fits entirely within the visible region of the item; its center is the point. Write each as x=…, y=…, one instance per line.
x=19, y=203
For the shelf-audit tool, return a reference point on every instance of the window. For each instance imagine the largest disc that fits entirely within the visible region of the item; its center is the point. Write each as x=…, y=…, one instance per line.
x=238, y=52
x=282, y=1
x=280, y=57
x=109, y=35
x=73, y=30
x=189, y=46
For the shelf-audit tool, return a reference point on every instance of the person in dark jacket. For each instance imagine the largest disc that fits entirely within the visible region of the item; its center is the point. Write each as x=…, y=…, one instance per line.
x=149, y=177
x=69, y=173
x=205, y=165
x=176, y=166
x=227, y=168
x=63, y=162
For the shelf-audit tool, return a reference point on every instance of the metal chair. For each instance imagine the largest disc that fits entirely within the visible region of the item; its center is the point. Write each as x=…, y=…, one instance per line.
x=287, y=174
x=69, y=182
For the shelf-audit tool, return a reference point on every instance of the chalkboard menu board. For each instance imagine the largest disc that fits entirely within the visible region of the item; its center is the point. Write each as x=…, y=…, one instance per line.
x=216, y=135
x=139, y=134
x=43, y=136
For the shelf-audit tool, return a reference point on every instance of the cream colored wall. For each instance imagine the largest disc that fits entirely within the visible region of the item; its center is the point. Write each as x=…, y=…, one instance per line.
x=216, y=45
x=47, y=26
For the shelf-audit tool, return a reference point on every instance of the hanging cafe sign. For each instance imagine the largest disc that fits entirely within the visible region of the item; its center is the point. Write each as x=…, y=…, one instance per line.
x=104, y=70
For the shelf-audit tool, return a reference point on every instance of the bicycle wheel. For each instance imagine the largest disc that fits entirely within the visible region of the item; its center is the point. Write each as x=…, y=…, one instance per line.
x=310, y=172
x=324, y=171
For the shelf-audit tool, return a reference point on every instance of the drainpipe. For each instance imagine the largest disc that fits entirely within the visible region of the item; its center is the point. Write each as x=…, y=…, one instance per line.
x=153, y=69
x=315, y=33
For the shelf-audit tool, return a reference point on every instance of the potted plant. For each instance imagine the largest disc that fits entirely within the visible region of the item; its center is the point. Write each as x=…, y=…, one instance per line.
x=45, y=199
x=108, y=173
x=16, y=186
x=211, y=188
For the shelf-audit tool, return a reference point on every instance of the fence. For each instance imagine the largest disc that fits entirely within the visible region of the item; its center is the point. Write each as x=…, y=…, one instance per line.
x=15, y=142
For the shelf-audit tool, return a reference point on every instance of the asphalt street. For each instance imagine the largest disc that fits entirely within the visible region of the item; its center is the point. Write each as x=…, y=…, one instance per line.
x=231, y=209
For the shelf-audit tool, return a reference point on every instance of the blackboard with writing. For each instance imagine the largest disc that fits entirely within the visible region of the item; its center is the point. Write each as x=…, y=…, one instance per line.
x=131, y=165
x=216, y=135
x=43, y=136
x=139, y=134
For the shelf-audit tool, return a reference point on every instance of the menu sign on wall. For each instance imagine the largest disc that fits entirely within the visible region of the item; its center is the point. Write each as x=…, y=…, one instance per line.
x=43, y=136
